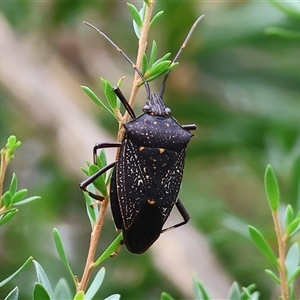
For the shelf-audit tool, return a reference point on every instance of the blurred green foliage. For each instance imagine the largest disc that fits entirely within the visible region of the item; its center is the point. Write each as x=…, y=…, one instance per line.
x=238, y=80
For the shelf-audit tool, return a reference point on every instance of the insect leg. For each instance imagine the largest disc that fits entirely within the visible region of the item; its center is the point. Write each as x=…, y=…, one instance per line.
x=124, y=101
x=83, y=185
x=101, y=146
x=189, y=126
x=184, y=213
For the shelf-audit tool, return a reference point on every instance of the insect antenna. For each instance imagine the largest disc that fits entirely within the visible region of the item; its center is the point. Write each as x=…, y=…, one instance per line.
x=178, y=54
x=125, y=56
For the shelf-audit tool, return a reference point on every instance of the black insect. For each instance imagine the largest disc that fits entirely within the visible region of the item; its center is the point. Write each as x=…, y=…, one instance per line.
x=147, y=174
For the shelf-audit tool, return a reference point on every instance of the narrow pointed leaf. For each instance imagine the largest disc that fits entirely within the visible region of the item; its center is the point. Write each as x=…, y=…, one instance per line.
x=43, y=279
x=13, y=295
x=271, y=188
x=113, y=297
x=199, y=291
x=18, y=196
x=92, y=210
x=144, y=64
x=289, y=215
x=40, y=292
x=8, y=215
x=110, y=95
x=292, y=260
x=293, y=226
x=262, y=245
x=62, y=290
x=157, y=70
x=152, y=54
x=154, y=19
x=13, y=184
x=95, y=285
x=166, y=296
x=111, y=249
x=135, y=15
x=61, y=251
x=27, y=200
x=99, y=183
x=294, y=275
x=273, y=276
x=6, y=199
x=94, y=97
x=12, y=276
x=234, y=293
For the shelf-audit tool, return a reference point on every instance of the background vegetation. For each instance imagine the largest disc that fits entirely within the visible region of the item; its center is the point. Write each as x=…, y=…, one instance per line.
x=238, y=80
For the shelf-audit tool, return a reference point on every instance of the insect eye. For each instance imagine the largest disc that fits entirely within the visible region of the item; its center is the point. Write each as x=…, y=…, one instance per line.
x=168, y=111
x=147, y=109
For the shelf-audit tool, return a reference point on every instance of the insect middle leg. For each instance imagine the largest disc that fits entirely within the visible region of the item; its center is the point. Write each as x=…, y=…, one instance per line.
x=184, y=213
x=84, y=184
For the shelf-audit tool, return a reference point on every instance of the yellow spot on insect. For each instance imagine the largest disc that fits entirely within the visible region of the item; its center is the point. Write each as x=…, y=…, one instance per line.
x=141, y=148
x=161, y=150
x=151, y=201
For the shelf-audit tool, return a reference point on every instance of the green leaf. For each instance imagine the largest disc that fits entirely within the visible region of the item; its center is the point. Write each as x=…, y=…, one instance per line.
x=292, y=260
x=62, y=290
x=12, y=276
x=248, y=294
x=99, y=182
x=289, y=215
x=7, y=215
x=110, y=250
x=152, y=54
x=294, y=275
x=199, y=291
x=262, y=245
x=164, y=58
x=92, y=210
x=13, y=295
x=43, y=279
x=27, y=200
x=61, y=251
x=13, y=184
x=110, y=95
x=113, y=297
x=234, y=293
x=273, y=276
x=95, y=285
x=135, y=15
x=166, y=296
x=155, y=18
x=79, y=296
x=94, y=97
x=293, y=226
x=157, y=70
x=282, y=32
x=101, y=159
x=144, y=64
x=271, y=188
x=40, y=293
x=6, y=199
x=18, y=196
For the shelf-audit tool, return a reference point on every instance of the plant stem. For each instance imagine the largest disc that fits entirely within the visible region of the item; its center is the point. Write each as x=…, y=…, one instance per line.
x=95, y=235
x=141, y=50
x=282, y=255
x=3, y=166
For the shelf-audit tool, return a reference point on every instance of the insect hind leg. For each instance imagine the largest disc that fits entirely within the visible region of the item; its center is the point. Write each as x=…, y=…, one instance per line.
x=183, y=212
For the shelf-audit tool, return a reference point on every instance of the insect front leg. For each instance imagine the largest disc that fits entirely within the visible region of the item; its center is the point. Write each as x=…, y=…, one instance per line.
x=84, y=184
x=184, y=213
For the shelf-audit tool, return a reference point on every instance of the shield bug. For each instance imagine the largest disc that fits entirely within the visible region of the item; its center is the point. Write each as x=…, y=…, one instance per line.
x=148, y=171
